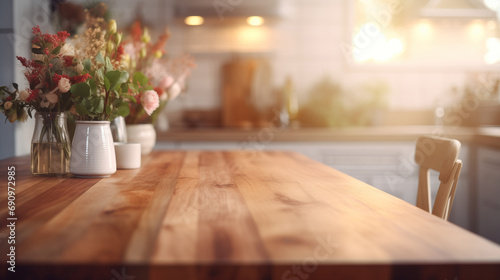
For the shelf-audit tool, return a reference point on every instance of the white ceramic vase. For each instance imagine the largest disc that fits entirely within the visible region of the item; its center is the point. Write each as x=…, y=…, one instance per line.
x=145, y=134
x=93, y=151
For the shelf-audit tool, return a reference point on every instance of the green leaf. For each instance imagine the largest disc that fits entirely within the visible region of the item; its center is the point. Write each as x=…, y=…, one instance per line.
x=40, y=62
x=93, y=86
x=130, y=97
x=16, y=86
x=37, y=50
x=107, y=83
x=56, y=50
x=109, y=66
x=140, y=78
x=123, y=110
x=117, y=103
x=100, y=76
x=80, y=90
x=87, y=65
x=99, y=105
x=135, y=88
x=99, y=58
x=124, y=87
x=117, y=78
x=81, y=110
x=88, y=105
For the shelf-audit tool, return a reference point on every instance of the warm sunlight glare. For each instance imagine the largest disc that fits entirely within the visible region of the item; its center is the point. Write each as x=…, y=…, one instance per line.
x=194, y=20
x=492, y=4
x=493, y=54
x=476, y=31
x=255, y=21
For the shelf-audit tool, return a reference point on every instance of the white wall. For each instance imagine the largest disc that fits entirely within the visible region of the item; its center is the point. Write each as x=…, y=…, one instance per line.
x=27, y=14
x=7, y=135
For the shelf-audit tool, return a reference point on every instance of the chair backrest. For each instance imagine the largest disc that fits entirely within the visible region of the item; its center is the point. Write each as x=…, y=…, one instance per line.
x=440, y=154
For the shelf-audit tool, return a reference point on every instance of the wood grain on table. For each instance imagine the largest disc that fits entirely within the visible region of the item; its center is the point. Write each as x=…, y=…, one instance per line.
x=230, y=215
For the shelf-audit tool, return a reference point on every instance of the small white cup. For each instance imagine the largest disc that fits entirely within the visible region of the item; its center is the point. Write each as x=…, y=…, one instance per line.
x=128, y=155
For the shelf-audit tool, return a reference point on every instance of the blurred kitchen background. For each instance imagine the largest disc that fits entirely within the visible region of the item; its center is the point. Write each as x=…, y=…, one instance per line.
x=350, y=83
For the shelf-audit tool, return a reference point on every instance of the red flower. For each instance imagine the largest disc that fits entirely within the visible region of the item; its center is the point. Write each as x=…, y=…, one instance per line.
x=23, y=61
x=56, y=40
x=36, y=30
x=68, y=61
x=57, y=78
x=79, y=79
x=46, y=51
x=33, y=95
x=8, y=98
x=62, y=35
x=49, y=39
x=33, y=71
x=159, y=91
x=119, y=53
x=136, y=31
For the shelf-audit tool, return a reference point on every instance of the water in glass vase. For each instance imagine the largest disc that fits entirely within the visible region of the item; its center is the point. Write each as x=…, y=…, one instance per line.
x=49, y=159
x=50, y=145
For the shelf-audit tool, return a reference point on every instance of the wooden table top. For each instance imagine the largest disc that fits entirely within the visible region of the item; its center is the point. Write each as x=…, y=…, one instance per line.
x=229, y=215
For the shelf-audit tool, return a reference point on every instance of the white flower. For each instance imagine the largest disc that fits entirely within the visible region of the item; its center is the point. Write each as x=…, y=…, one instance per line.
x=64, y=85
x=49, y=99
x=44, y=103
x=52, y=97
x=7, y=105
x=174, y=91
x=68, y=49
x=23, y=95
x=79, y=68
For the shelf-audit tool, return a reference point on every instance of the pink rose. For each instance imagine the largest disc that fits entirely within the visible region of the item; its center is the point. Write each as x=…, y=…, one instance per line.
x=150, y=101
x=166, y=82
x=64, y=85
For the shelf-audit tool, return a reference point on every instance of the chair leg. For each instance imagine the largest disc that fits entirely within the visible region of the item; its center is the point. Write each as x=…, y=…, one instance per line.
x=424, y=194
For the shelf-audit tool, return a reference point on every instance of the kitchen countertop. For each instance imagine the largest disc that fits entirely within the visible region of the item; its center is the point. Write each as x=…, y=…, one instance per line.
x=483, y=135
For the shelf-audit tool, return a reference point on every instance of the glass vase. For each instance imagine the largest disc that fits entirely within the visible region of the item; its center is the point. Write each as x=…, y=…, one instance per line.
x=50, y=145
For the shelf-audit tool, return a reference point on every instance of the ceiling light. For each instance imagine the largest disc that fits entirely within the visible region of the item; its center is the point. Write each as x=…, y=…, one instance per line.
x=255, y=21
x=194, y=20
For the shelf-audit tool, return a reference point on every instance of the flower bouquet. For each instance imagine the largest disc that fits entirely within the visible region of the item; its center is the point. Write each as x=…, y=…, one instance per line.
x=50, y=75
x=166, y=76
x=101, y=98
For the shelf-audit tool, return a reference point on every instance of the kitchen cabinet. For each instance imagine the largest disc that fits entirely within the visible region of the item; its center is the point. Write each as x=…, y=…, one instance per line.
x=488, y=193
x=388, y=166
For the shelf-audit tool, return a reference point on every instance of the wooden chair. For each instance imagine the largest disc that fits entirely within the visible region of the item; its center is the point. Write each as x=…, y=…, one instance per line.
x=439, y=154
